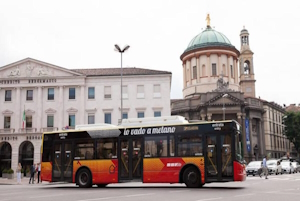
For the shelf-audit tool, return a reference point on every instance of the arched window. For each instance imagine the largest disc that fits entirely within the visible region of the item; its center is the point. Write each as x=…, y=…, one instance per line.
x=5, y=156
x=26, y=155
x=247, y=67
x=224, y=70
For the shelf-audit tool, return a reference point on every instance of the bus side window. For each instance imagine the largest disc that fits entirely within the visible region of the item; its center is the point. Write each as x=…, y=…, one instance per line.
x=190, y=145
x=156, y=146
x=106, y=149
x=172, y=145
x=84, y=149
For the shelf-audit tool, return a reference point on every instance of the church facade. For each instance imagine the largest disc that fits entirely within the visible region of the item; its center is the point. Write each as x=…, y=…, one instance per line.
x=219, y=84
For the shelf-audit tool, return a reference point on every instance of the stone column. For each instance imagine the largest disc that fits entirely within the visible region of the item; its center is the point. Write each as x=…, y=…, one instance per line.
x=184, y=75
x=19, y=110
x=198, y=68
x=39, y=103
x=61, y=113
x=209, y=115
x=14, y=155
x=208, y=67
x=191, y=72
x=235, y=71
x=82, y=105
x=262, y=136
x=220, y=67
x=228, y=69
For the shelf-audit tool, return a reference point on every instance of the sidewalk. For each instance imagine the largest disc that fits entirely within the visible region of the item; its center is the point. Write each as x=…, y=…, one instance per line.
x=24, y=181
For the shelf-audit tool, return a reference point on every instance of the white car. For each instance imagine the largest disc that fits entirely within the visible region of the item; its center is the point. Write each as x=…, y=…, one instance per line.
x=274, y=167
x=287, y=167
x=296, y=166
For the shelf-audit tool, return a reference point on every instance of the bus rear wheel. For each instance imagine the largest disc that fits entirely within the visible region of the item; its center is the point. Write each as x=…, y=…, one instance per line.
x=84, y=178
x=191, y=177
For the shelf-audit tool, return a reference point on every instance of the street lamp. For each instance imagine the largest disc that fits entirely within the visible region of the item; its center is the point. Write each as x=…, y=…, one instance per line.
x=118, y=49
x=224, y=96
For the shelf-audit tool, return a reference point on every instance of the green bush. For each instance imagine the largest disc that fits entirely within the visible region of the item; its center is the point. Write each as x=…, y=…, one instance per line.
x=10, y=171
x=27, y=170
x=4, y=171
x=22, y=170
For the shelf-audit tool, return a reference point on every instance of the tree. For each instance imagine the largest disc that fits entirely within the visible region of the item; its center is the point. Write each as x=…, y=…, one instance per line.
x=292, y=128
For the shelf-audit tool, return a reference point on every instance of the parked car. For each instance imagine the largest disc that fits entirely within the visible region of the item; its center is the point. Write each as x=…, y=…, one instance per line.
x=253, y=167
x=296, y=166
x=287, y=167
x=274, y=167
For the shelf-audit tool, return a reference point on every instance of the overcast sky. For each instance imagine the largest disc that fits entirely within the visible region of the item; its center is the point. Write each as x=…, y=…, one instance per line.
x=82, y=34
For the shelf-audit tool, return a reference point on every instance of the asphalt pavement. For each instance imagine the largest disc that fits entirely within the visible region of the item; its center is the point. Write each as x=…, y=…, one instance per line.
x=276, y=188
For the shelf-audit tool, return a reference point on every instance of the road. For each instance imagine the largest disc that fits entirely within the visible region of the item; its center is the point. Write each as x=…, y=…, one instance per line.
x=276, y=188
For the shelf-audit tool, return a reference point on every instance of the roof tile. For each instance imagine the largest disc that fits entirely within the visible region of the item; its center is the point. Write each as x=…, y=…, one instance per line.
x=117, y=71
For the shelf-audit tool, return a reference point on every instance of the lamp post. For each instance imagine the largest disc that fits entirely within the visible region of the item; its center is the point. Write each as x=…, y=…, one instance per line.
x=224, y=96
x=118, y=49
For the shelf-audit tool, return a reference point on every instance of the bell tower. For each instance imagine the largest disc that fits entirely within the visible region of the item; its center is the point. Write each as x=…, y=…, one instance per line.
x=247, y=80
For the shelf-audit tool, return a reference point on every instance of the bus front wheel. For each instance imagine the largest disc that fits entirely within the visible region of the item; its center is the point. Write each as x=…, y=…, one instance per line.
x=191, y=177
x=84, y=178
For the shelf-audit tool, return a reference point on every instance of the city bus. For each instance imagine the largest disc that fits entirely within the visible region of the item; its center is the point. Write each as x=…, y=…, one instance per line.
x=153, y=150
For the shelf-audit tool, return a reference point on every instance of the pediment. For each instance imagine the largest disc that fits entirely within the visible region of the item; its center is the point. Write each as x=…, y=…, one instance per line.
x=228, y=100
x=7, y=112
x=50, y=111
x=29, y=112
x=91, y=110
x=31, y=68
x=71, y=109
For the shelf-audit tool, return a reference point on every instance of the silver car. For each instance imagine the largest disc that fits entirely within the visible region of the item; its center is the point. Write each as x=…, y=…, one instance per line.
x=253, y=167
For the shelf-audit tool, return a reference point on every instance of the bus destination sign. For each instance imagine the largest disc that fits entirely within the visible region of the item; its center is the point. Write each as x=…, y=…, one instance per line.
x=150, y=131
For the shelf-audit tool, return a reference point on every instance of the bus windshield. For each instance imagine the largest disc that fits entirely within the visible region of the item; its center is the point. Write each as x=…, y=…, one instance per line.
x=238, y=146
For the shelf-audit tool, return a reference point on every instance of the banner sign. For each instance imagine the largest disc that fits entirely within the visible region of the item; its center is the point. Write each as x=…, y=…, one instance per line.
x=247, y=135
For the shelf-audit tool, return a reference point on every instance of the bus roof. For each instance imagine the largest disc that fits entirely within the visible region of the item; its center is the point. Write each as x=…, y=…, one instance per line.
x=140, y=122
x=154, y=121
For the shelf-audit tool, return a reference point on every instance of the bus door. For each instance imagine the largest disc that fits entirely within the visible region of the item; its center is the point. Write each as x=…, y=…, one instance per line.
x=219, y=166
x=130, y=160
x=62, y=165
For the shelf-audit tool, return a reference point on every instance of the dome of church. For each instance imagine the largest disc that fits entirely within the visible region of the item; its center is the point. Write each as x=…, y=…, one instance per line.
x=208, y=38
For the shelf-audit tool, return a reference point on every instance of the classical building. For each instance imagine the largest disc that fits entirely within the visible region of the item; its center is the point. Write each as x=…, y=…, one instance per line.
x=276, y=143
x=37, y=96
x=219, y=83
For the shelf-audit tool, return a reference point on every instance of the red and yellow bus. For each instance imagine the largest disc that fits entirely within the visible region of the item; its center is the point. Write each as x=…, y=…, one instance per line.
x=190, y=153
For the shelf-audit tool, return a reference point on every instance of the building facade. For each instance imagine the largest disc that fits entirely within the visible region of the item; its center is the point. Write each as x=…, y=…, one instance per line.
x=276, y=142
x=219, y=84
x=37, y=97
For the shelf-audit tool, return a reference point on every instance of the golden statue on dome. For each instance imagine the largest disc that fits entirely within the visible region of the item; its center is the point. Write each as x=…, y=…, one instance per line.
x=208, y=20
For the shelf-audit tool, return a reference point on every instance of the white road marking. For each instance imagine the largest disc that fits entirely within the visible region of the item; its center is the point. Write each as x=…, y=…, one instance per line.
x=243, y=195
x=10, y=193
x=291, y=189
x=284, y=193
x=44, y=196
x=116, y=197
x=218, y=198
